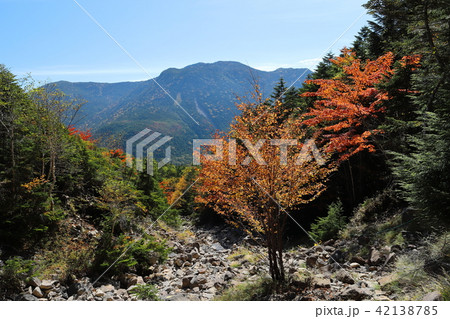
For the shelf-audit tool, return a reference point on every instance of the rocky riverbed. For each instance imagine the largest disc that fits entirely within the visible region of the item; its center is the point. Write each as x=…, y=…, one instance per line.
x=206, y=261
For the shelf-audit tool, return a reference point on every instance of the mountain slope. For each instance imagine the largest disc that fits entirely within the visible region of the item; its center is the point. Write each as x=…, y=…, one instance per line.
x=205, y=91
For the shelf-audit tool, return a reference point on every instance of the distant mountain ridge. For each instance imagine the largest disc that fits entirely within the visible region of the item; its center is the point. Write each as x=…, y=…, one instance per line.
x=207, y=91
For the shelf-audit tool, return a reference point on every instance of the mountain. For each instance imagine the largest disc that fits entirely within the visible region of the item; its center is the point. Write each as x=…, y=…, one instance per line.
x=206, y=92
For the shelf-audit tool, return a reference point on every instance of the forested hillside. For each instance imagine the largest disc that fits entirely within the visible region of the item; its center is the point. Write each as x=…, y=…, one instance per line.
x=357, y=209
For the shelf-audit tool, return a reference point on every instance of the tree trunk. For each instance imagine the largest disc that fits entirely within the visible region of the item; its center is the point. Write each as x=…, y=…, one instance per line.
x=275, y=253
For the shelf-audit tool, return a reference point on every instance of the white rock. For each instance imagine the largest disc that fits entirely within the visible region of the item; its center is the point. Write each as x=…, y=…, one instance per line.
x=38, y=292
x=107, y=288
x=46, y=284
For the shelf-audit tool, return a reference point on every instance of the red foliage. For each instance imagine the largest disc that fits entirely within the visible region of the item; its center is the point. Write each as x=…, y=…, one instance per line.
x=84, y=135
x=118, y=153
x=348, y=103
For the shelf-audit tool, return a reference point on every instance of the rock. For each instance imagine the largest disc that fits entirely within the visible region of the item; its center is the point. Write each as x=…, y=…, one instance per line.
x=390, y=258
x=28, y=297
x=383, y=281
x=77, y=289
x=385, y=250
x=99, y=293
x=212, y=290
x=329, y=242
x=93, y=233
x=396, y=248
x=128, y=280
x=344, y=277
x=172, y=255
x=363, y=240
x=122, y=293
x=228, y=276
x=375, y=257
x=38, y=292
x=311, y=261
x=73, y=288
x=153, y=259
x=207, y=296
x=60, y=299
x=337, y=256
x=433, y=296
x=46, y=284
x=178, y=297
x=318, y=248
x=329, y=248
x=253, y=270
x=321, y=263
x=179, y=262
x=195, y=254
x=198, y=280
x=381, y=298
x=107, y=288
x=354, y=265
x=140, y=280
x=321, y=282
x=358, y=259
x=186, y=282
x=302, y=279
x=217, y=247
x=237, y=257
x=34, y=282
x=218, y=281
x=108, y=297
x=355, y=293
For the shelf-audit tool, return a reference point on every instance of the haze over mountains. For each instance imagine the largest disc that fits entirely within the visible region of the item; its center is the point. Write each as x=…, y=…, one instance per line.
x=207, y=91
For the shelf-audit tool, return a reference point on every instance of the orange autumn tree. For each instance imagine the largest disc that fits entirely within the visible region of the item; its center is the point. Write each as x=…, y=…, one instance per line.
x=265, y=169
x=348, y=103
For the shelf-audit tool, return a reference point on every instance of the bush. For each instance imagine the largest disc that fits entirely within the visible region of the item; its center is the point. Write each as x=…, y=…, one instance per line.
x=145, y=292
x=445, y=291
x=328, y=227
x=12, y=274
x=423, y=270
x=252, y=291
x=137, y=258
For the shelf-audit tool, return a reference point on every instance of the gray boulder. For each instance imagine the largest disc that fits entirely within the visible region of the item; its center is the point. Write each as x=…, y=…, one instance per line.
x=344, y=277
x=433, y=296
x=356, y=293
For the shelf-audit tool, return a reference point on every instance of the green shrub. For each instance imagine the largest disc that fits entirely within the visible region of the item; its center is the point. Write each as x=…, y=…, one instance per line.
x=252, y=291
x=12, y=274
x=145, y=292
x=328, y=227
x=137, y=256
x=421, y=271
x=445, y=291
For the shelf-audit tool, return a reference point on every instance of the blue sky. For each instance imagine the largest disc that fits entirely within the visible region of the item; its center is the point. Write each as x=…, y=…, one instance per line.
x=55, y=40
